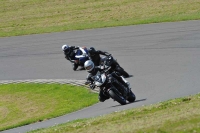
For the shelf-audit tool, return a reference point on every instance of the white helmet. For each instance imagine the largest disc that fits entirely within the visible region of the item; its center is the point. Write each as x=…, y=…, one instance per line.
x=65, y=47
x=89, y=65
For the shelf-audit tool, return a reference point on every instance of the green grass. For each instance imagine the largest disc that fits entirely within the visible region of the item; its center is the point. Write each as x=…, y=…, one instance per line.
x=22, y=17
x=181, y=115
x=22, y=104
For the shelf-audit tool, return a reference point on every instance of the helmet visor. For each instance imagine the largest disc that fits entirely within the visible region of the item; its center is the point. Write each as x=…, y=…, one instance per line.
x=89, y=67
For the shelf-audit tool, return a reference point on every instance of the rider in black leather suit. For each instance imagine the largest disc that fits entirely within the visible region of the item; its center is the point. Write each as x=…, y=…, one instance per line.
x=94, y=55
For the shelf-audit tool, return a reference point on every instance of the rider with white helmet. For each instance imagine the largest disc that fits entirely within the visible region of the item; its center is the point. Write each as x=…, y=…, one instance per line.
x=76, y=55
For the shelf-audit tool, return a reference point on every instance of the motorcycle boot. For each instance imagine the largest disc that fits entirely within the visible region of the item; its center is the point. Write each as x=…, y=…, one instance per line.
x=74, y=66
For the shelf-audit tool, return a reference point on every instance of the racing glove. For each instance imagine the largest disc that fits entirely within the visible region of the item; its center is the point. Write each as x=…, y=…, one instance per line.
x=92, y=86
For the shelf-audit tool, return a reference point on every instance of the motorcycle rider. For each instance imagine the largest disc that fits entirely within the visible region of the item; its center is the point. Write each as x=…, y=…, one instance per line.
x=76, y=58
x=94, y=55
x=92, y=70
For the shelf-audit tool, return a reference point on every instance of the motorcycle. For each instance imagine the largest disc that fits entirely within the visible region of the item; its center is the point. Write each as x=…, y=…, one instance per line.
x=110, y=61
x=79, y=61
x=111, y=87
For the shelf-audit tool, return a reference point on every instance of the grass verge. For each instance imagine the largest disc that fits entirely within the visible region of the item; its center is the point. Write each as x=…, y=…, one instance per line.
x=20, y=17
x=22, y=104
x=181, y=115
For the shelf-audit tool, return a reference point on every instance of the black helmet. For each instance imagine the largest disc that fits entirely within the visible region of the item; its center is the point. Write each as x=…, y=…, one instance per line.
x=91, y=51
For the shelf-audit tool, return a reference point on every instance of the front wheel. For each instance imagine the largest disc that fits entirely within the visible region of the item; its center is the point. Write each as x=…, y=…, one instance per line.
x=114, y=95
x=131, y=97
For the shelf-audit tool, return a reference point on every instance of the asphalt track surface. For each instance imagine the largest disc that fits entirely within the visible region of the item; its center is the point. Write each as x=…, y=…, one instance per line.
x=164, y=60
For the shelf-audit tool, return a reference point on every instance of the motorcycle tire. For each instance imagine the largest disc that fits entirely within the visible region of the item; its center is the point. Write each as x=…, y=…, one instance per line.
x=131, y=97
x=122, y=72
x=117, y=97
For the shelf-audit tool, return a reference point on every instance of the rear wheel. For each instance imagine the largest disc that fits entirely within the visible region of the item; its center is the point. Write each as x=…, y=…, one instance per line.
x=114, y=95
x=131, y=97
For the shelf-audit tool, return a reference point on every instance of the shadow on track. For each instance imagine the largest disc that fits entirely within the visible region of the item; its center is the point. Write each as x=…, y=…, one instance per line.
x=129, y=103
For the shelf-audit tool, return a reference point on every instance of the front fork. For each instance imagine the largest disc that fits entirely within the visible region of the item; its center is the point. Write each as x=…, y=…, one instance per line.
x=114, y=83
x=121, y=89
x=126, y=90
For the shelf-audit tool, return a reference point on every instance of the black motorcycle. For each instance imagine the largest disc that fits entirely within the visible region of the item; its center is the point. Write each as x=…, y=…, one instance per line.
x=111, y=87
x=111, y=62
